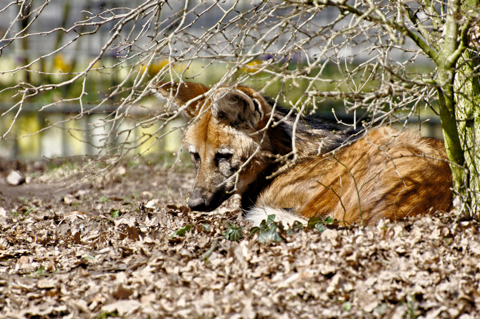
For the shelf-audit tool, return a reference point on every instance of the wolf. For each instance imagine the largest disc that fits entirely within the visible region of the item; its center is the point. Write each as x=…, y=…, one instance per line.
x=301, y=167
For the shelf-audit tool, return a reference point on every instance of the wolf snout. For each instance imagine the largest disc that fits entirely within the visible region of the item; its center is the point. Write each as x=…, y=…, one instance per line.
x=202, y=200
x=197, y=203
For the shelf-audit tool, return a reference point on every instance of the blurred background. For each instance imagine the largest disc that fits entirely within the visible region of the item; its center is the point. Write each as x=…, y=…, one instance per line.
x=71, y=86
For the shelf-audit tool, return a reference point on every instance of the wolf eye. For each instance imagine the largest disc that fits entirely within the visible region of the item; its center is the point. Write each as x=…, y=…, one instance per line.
x=222, y=157
x=195, y=157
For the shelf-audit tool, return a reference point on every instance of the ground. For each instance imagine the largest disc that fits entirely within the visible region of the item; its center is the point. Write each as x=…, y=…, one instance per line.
x=123, y=244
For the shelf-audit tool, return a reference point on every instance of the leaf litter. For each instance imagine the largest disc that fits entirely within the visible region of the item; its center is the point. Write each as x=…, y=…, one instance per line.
x=127, y=246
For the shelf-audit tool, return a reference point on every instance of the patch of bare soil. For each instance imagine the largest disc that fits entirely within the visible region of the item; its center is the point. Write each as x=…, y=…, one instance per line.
x=125, y=245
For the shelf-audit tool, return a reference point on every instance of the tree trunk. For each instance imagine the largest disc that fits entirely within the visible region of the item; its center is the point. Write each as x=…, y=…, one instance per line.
x=467, y=98
x=447, y=104
x=446, y=97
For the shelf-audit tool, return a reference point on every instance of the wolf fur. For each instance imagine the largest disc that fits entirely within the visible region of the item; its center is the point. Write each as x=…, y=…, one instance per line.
x=353, y=177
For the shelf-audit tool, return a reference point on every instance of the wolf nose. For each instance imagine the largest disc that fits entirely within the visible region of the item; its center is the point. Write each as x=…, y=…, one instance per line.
x=197, y=203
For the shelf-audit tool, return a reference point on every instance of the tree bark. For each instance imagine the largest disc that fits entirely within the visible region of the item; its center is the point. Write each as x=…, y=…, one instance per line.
x=446, y=97
x=467, y=100
x=459, y=100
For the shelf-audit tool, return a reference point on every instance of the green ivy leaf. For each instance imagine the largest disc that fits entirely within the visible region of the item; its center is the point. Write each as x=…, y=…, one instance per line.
x=319, y=223
x=182, y=231
x=270, y=219
x=314, y=221
x=320, y=227
x=270, y=234
x=347, y=306
x=233, y=233
x=254, y=230
x=329, y=220
x=103, y=199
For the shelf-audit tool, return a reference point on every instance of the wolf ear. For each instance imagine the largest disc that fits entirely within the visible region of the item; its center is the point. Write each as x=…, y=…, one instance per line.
x=241, y=107
x=180, y=93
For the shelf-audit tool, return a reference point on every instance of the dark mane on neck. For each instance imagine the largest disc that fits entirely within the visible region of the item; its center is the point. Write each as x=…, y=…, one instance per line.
x=312, y=134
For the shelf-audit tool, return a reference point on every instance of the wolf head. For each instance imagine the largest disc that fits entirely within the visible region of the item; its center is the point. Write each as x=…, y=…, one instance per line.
x=225, y=137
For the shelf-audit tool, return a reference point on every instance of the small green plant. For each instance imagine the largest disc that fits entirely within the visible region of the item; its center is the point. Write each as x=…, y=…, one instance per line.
x=23, y=199
x=411, y=306
x=103, y=199
x=28, y=211
x=268, y=230
x=22, y=212
x=107, y=314
x=115, y=213
x=181, y=232
x=39, y=272
x=233, y=233
x=319, y=223
x=347, y=306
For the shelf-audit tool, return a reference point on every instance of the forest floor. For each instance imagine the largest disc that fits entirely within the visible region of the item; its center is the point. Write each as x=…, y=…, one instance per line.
x=125, y=245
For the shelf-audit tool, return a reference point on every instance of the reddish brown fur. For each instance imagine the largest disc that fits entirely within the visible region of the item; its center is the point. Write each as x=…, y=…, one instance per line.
x=390, y=175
